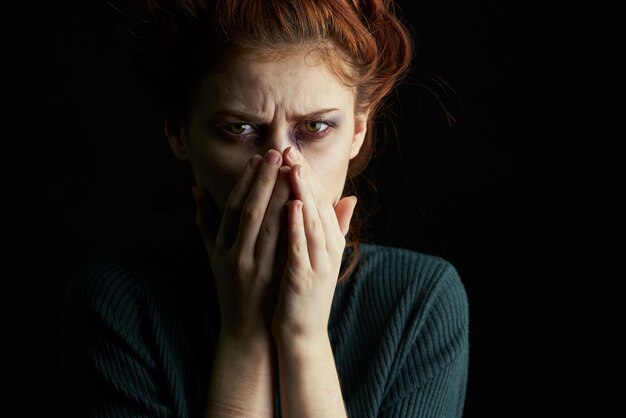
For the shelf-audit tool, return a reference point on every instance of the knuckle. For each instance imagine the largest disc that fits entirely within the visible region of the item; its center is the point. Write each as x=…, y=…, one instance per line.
x=279, y=200
x=242, y=264
x=268, y=229
x=314, y=225
x=265, y=178
x=295, y=227
x=251, y=214
x=299, y=246
x=232, y=207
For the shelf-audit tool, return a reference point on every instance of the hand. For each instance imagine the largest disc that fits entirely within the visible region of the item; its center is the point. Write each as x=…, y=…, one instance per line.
x=243, y=248
x=316, y=242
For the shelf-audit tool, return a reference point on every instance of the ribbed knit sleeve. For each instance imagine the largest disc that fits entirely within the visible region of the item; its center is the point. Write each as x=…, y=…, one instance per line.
x=109, y=368
x=136, y=338
x=431, y=381
x=400, y=335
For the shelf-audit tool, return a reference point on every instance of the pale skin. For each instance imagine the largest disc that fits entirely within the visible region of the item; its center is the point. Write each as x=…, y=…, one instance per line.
x=269, y=142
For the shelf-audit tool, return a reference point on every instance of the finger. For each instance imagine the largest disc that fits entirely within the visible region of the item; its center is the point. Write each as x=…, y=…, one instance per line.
x=297, y=253
x=291, y=157
x=272, y=222
x=344, y=209
x=334, y=238
x=283, y=243
x=207, y=217
x=256, y=204
x=316, y=239
x=227, y=232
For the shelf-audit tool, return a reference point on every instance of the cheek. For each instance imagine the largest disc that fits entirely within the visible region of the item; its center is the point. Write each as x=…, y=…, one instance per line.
x=217, y=170
x=330, y=169
x=329, y=160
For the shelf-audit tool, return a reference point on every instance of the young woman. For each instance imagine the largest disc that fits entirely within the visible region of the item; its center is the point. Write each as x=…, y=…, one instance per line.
x=272, y=307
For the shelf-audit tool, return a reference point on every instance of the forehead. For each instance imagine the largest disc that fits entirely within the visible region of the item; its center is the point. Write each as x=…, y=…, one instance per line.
x=295, y=82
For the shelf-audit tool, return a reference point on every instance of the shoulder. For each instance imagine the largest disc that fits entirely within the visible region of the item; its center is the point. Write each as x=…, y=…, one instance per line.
x=419, y=302
x=403, y=315
x=417, y=291
x=397, y=271
x=422, y=295
x=116, y=282
x=100, y=276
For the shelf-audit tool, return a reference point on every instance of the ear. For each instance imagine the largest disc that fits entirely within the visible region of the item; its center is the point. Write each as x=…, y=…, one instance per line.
x=360, y=129
x=177, y=138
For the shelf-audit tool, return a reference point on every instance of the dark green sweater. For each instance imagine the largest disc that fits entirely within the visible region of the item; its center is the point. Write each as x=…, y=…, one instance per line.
x=140, y=329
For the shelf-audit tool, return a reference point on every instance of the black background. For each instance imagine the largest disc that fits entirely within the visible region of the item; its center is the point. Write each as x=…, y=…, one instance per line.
x=521, y=193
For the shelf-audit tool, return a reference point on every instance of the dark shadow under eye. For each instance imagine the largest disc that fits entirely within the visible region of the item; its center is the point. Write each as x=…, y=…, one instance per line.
x=313, y=129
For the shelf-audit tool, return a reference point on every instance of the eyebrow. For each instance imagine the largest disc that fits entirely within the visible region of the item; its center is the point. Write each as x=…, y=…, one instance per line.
x=253, y=118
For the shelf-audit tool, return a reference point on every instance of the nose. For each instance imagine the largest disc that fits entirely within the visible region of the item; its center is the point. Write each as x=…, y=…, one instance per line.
x=277, y=138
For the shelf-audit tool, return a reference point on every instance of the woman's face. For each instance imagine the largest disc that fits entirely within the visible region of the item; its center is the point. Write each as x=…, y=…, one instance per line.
x=257, y=105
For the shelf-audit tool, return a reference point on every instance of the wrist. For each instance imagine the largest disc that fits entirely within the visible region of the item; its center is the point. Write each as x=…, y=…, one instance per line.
x=302, y=345
x=243, y=377
x=238, y=340
x=287, y=332
x=250, y=333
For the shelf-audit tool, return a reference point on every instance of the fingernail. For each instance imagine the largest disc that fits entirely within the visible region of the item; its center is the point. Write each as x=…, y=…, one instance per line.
x=355, y=200
x=300, y=171
x=293, y=154
x=272, y=157
x=255, y=161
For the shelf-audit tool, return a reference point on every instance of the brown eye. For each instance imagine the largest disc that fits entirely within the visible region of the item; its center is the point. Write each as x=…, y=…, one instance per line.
x=239, y=128
x=311, y=130
x=313, y=126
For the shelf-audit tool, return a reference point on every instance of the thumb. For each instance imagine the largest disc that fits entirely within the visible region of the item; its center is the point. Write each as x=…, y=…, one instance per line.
x=344, y=209
x=206, y=217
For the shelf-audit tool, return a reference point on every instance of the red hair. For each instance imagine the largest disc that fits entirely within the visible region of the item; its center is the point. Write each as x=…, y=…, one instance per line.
x=362, y=42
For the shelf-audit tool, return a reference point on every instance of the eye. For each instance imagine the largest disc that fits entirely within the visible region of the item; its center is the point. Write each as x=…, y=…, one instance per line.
x=239, y=128
x=313, y=129
x=237, y=132
x=314, y=126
